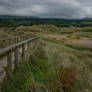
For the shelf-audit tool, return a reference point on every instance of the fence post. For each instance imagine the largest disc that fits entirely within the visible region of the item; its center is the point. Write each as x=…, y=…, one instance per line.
x=16, y=57
x=23, y=52
x=9, y=61
x=28, y=49
x=9, y=42
x=15, y=40
x=4, y=43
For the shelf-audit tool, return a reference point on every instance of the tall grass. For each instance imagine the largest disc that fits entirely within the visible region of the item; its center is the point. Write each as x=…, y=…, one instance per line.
x=54, y=67
x=74, y=64
x=28, y=74
x=40, y=74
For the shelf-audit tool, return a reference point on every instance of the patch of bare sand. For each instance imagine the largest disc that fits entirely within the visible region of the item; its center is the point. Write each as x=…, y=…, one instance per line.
x=82, y=41
x=50, y=35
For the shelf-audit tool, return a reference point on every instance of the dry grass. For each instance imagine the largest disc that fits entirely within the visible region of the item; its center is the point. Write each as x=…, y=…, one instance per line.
x=63, y=69
x=74, y=67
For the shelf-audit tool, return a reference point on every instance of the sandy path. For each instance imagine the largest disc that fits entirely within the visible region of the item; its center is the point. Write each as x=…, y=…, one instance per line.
x=81, y=41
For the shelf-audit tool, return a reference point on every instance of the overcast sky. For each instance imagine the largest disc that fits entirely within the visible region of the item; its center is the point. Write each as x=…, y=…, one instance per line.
x=47, y=8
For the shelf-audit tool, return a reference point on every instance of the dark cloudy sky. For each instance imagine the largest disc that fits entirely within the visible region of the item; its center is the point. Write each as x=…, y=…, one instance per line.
x=47, y=8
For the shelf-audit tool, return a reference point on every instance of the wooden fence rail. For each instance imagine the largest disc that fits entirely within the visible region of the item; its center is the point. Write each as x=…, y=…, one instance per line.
x=4, y=42
x=11, y=55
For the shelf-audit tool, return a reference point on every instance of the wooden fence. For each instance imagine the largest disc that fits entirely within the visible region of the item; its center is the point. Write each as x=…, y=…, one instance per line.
x=12, y=54
x=5, y=42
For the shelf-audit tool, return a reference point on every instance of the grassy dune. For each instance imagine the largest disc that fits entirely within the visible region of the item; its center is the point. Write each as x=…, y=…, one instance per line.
x=56, y=65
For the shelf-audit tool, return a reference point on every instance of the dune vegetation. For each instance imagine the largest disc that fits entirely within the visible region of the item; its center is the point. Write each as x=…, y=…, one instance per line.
x=57, y=65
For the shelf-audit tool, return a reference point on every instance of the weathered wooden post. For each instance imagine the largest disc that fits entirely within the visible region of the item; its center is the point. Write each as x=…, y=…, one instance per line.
x=16, y=57
x=28, y=50
x=9, y=61
x=19, y=40
x=9, y=42
x=23, y=52
x=4, y=43
x=35, y=43
x=16, y=39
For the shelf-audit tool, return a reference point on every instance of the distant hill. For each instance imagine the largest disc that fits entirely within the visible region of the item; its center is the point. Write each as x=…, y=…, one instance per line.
x=29, y=20
x=87, y=19
x=16, y=17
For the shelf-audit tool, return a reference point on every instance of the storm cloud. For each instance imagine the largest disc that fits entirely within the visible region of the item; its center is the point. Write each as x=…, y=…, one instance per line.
x=47, y=8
